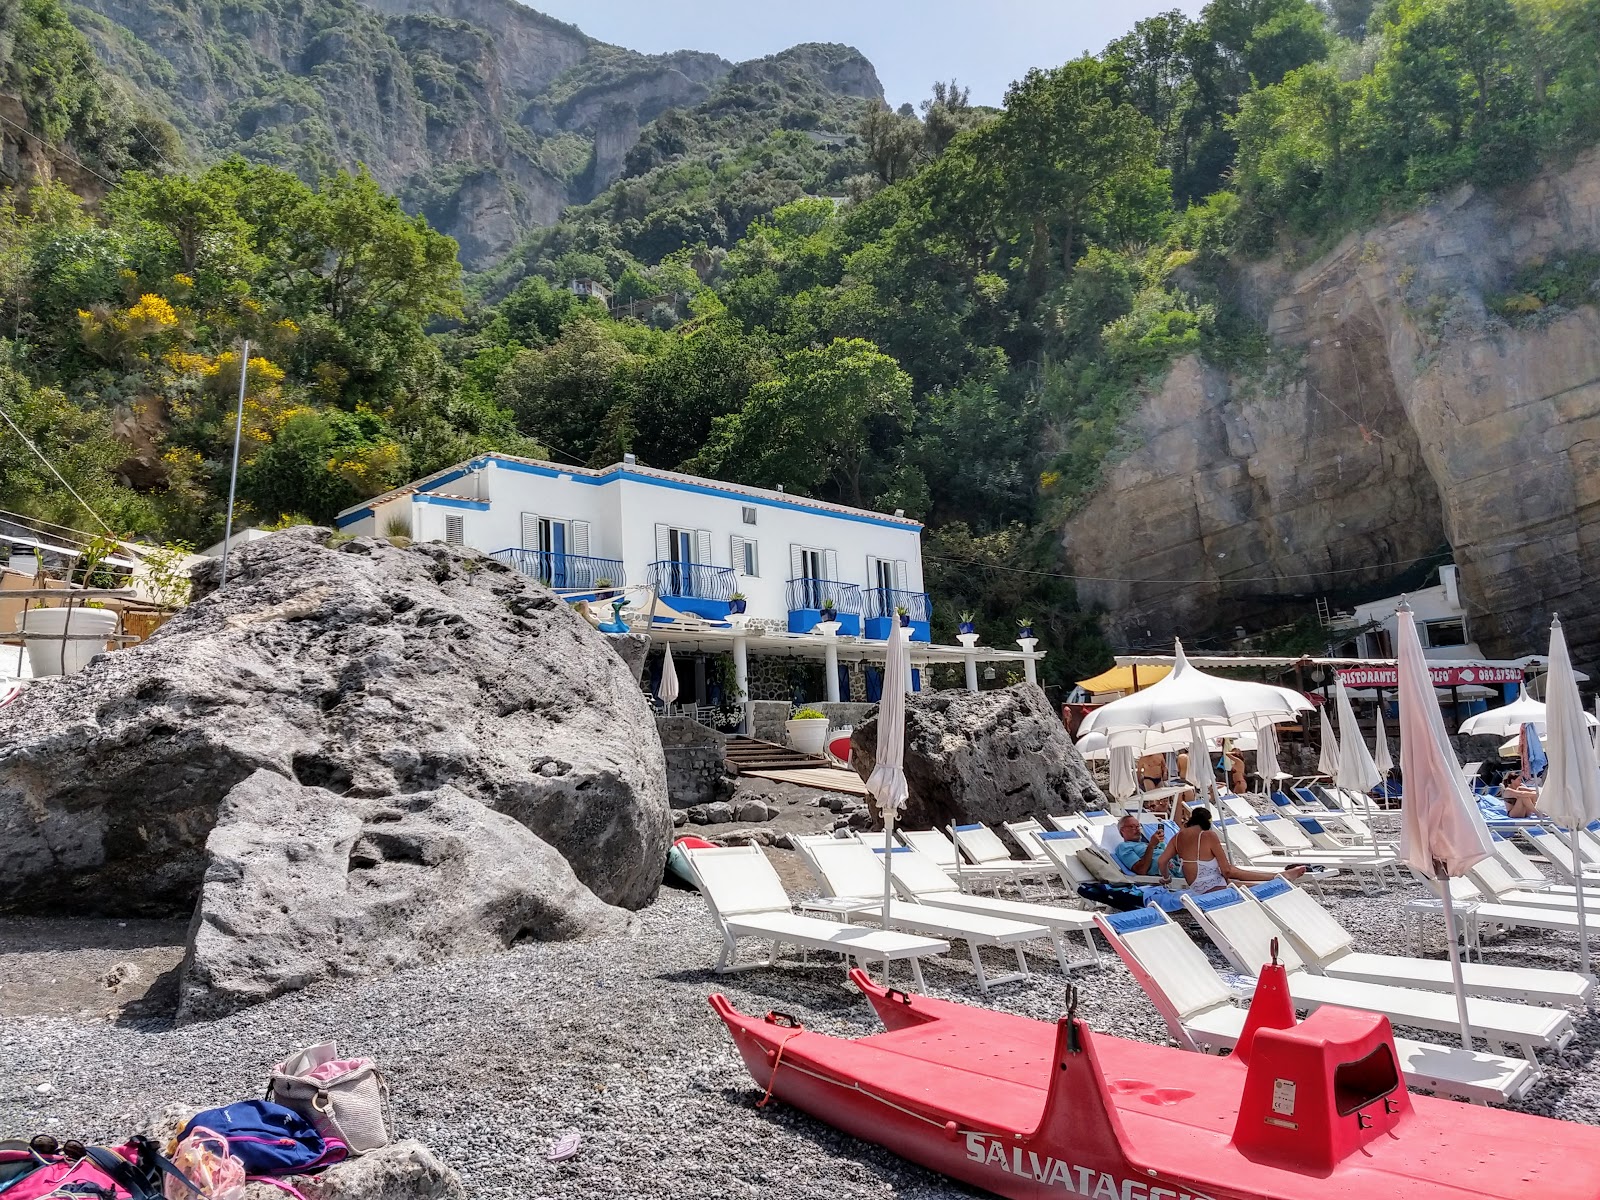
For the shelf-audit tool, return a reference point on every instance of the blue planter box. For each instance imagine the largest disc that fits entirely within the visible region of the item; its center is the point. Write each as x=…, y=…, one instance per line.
x=804, y=620
x=712, y=610
x=879, y=628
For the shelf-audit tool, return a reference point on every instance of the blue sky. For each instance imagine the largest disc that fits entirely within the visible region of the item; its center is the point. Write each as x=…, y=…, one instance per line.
x=985, y=44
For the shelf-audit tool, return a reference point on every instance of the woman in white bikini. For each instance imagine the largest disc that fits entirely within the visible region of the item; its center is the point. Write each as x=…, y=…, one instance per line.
x=1205, y=863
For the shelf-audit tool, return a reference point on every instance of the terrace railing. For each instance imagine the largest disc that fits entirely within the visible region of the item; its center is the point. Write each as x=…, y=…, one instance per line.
x=699, y=581
x=886, y=602
x=810, y=593
x=568, y=572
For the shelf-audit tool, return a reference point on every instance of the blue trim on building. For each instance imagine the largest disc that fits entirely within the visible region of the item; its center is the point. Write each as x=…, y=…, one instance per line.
x=452, y=502
x=361, y=514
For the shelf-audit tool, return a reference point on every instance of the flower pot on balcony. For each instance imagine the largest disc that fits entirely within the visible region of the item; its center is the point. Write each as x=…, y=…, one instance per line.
x=809, y=735
x=905, y=619
x=829, y=613
x=1025, y=631
x=737, y=604
x=967, y=627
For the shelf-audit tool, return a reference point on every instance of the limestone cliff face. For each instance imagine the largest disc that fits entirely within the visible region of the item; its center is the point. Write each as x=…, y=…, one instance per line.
x=1407, y=415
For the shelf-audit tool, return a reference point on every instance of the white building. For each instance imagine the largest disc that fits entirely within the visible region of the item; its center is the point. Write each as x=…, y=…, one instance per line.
x=1441, y=620
x=698, y=542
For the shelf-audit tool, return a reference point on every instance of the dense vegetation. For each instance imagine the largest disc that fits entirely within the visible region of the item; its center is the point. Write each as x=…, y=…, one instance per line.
x=949, y=312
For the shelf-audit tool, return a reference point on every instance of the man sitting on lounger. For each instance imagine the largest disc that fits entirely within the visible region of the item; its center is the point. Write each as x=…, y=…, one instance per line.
x=1136, y=855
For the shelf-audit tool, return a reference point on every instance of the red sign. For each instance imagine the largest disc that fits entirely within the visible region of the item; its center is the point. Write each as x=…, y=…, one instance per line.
x=1388, y=677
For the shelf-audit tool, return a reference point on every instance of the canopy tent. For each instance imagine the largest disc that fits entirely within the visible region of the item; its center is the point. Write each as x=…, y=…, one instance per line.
x=1121, y=679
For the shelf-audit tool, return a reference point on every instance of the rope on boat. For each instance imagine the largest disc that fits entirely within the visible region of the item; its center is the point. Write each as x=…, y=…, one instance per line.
x=776, y=1062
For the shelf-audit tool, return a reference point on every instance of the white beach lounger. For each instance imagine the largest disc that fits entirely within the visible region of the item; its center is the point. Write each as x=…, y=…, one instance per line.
x=1519, y=862
x=1026, y=835
x=1497, y=885
x=1200, y=1013
x=1328, y=949
x=1556, y=846
x=747, y=900
x=920, y=880
x=935, y=845
x=1245, y=844
x=1244, y=933
x=1060, y=848
x=849, y=870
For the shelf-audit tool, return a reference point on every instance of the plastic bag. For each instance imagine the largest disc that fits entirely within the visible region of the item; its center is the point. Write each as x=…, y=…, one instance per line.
x=204, y=1158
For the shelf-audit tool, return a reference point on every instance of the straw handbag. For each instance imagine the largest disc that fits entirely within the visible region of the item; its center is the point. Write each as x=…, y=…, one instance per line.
x=343, y=1098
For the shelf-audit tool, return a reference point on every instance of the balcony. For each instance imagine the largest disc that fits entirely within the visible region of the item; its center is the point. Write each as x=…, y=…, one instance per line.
x=693, y=587
x=883, y=605
x=807, y=596
x=578, y=575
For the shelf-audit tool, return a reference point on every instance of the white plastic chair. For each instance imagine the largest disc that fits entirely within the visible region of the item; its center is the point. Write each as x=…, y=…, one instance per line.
x=747, y=900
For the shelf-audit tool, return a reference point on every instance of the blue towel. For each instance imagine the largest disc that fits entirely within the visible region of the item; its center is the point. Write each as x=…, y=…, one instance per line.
x=1537, y=759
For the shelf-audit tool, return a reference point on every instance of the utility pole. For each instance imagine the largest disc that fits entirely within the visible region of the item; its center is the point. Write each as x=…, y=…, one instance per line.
x=233, y=479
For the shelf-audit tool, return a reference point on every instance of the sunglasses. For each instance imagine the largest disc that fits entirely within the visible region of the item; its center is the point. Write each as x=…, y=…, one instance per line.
x=44, y=1144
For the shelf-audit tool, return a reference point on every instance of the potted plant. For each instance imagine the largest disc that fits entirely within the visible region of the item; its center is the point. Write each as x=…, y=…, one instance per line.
x=807, y=731
x=904, y=614
x=737, y=602
x=967, y=625
x=1024, y=627
x=829, y=613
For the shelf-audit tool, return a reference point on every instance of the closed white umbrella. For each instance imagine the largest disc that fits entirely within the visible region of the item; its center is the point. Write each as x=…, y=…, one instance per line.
x=1356, y=772
x=887, y=783
x=668, y=689
x=1442, y=834
x=1123, y=773
x=1571, y=792
x=1381, y=758
x=1328, y=760
x=1267, y=756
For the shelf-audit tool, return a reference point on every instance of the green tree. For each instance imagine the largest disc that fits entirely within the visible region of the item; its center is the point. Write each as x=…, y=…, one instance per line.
x=562, y=395
x=814, y=424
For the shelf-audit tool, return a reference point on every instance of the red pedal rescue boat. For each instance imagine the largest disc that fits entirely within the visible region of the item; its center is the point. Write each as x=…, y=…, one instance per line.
x=1026, y=1109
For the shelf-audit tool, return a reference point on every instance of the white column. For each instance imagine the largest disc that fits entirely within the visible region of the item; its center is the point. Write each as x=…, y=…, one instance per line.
x=972, y=670
x=1030, y=669
x=830, y=669
x=741, y=677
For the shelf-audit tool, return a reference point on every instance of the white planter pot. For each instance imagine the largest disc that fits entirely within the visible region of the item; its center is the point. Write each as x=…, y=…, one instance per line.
x=809, y=736
x=48, y=654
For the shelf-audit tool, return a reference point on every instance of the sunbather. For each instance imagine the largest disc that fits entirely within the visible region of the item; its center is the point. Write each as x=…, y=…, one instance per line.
x=1152, y=772
x=1136, y=854
x=1204, y=862
x=1521, y=801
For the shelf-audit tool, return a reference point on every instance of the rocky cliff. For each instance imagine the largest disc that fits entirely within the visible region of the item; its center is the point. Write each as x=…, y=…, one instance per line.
x=1402, y=413
x=485, y=115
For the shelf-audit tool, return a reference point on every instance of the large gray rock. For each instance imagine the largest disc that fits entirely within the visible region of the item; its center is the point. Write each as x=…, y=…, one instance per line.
x=405, y=1170
x=983, y=756
x=303, y=885
x=366, y=668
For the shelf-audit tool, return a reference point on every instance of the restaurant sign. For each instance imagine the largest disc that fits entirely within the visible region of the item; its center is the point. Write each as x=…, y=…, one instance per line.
x=1389, y=676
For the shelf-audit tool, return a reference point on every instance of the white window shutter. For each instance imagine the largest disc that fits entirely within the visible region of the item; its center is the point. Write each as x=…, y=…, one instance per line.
x=872, y=573
x=702, y=546
x=580, y=538
x=736, y=554
x=830, y=563
x=663, y=543
x=454, y=533
x=530, y=531
x=797, y=568
x=900, y=572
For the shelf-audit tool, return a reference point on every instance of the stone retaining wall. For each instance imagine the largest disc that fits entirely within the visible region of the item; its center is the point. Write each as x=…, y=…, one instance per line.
x=697, y=770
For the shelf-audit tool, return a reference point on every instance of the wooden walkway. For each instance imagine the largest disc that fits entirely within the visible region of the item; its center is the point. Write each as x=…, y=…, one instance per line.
x=830, y=779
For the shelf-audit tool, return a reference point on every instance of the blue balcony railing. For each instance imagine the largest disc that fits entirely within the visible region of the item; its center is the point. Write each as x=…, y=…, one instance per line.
x=567, y=572
x=806, y=594
x=695, y=581
x=886, y=602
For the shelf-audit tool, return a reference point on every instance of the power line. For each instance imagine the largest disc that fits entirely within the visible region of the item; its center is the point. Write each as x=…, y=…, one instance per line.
x=58, y=150
x=29, y=444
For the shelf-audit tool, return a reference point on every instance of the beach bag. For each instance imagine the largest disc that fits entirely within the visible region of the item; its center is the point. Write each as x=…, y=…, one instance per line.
x=129, y=1172
x=344, y=1098
x=16, y=1160
x=268, y=1139
x=206, y=1162
x=1120, y=896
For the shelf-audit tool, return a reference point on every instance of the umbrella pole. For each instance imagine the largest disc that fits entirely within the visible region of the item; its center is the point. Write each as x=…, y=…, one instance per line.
x=1455, y=953
x=1577, y=880
x=888, y=872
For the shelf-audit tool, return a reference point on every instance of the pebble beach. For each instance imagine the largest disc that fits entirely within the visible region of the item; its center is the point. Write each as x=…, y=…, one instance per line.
x=492, y=1060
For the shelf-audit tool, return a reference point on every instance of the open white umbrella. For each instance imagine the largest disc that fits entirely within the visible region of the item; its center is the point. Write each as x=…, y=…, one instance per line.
x=1328, y=760
x=1356, y=772
x=887, y=783
x=1510, y=718
x=668, y=689
x=1442, y=834
x=1571, y=792
x=1381, y=758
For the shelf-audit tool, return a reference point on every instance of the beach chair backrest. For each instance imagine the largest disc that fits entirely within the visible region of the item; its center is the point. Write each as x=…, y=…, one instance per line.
x=1072, y=821
x=1098, y=816
x=916, y=873
x=738, y=880
x=845, y=868
x=931, y=842
x=1516, y=860
x=1245, y=840
x=1061, y=848
x=1492, y=876
x=982, y=844
x=1027, y=833
x=1312, y=926
x=1168, y=958
x=1553, y=846
x=1239, y=808
x=1284, y=831
x=1243, y=930
x=1282, y=801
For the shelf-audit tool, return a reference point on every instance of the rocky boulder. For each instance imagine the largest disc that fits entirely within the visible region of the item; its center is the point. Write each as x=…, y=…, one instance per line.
x=303, y=885
x=365, y=668
x=983, y=756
